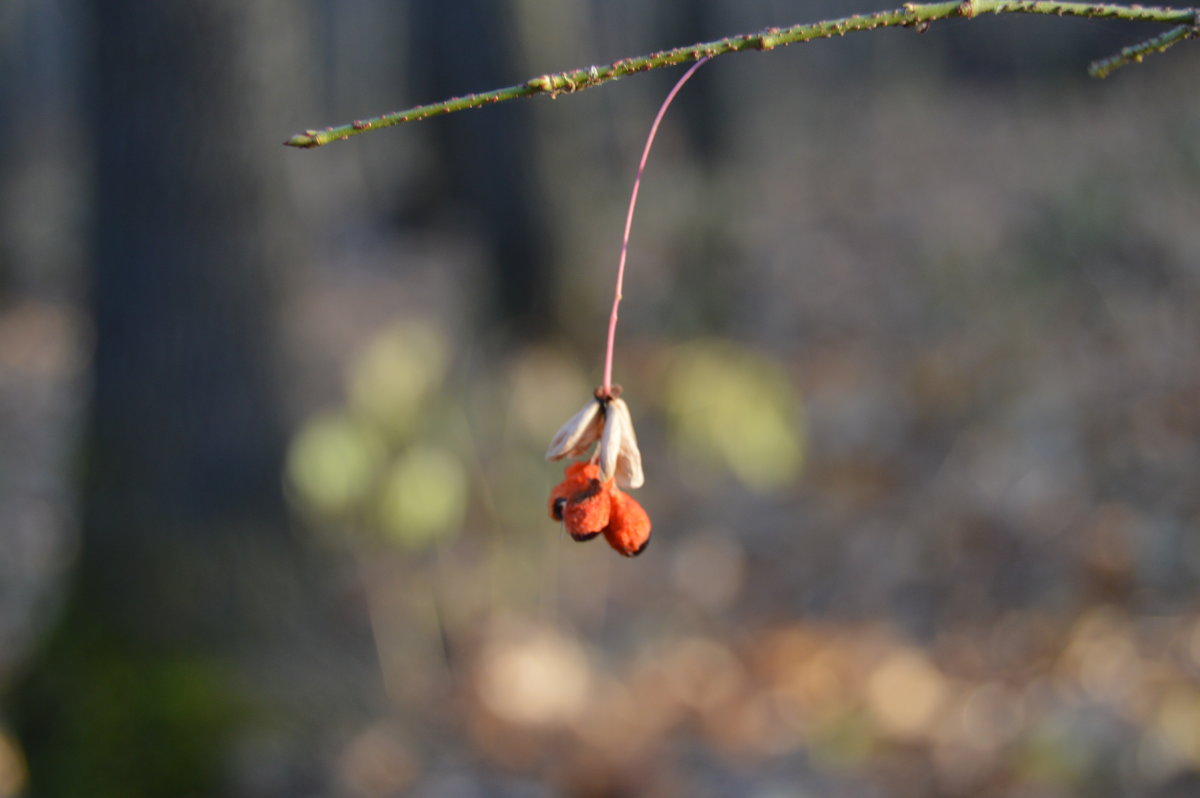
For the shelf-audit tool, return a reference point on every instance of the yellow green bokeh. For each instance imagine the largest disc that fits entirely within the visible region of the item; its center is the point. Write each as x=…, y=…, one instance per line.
x=422, y=496
x=734, y=407
x=396, y=373
x=332, y=464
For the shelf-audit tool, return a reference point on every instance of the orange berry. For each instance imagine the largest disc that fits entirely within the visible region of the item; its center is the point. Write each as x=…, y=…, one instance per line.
x=628, y=530
x=578, y=475
x=587, y=512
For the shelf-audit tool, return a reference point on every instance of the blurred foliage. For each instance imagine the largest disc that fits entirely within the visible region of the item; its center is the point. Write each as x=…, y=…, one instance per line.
x=385, y=462
x=333, y=462
x=853, y=698
x=423, y=497
x=106, y=696
x=924, y=497
x=392, y=382
x=733, y=407
x=13, y=769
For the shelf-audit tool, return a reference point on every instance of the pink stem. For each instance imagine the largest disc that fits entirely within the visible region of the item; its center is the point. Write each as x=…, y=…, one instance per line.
x=637, y=182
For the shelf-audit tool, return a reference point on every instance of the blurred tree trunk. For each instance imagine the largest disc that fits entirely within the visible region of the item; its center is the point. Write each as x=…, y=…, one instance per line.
x=709, y=303
x=705, y=125
x=10, y=53
x=191, y=599
x=487, y=162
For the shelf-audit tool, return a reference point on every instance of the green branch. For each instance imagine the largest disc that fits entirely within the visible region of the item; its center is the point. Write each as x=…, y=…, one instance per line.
x=918, y=16
x=1135, y=53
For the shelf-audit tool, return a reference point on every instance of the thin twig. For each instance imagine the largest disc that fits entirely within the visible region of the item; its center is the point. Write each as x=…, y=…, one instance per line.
x=918, y=16
x=1135, y=53
x=637, y=182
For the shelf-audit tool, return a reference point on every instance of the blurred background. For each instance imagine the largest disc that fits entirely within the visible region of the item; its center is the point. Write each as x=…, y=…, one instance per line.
x=909, y=333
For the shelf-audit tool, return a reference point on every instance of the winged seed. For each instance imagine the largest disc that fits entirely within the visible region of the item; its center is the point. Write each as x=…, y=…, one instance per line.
x=629, y=457
x=615, y=424
x=580, y=432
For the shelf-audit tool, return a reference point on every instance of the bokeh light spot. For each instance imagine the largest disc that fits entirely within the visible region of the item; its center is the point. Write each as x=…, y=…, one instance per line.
x=423, y=497
x=904, y=694
x=332, y=463
x=533, y=676
x=396, y=372
x=734, y=407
